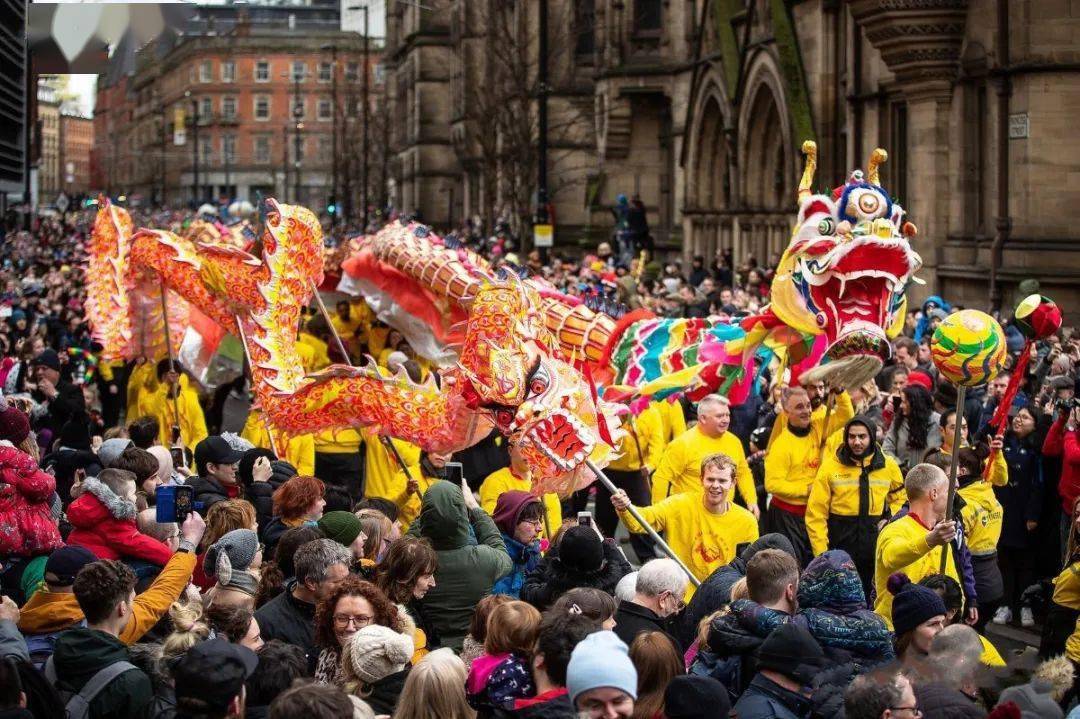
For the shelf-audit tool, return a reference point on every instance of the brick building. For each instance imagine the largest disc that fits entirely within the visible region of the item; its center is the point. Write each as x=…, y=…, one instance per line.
x=76, y=142
x=252, y=77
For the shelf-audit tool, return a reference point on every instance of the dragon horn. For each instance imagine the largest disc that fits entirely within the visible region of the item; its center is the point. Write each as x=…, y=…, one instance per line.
x=877, y=157
x=809, y=149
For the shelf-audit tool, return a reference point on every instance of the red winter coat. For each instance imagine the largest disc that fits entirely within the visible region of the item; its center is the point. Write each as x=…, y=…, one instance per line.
x=105, y=524
x=1062, y=443
x=27, y=528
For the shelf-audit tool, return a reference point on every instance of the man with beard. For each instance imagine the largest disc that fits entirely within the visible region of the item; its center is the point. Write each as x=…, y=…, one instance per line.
x=794, y=455
x=854, y=488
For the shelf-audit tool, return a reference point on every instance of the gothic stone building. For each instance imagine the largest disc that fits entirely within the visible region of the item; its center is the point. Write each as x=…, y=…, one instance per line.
x=701, y=106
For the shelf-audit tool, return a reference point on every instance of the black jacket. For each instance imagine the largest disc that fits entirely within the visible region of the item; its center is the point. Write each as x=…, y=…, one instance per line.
x=261, y=494
x=81, y=652
x=939, y=701
x=382, y=696
x=62, y=407
x=765, y=699
x=715, y=591
x=632, y=619
x=551, y=578
x=64, y=463
x=559, y=707
x=207, y=491
x=291, y=620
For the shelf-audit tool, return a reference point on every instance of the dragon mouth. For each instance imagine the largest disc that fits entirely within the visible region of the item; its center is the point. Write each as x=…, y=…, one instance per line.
x=562, y=438
x=853, y=286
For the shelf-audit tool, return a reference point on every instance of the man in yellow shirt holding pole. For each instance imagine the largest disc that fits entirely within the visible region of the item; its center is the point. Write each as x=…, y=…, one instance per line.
x=680, y=465
x=703, y=527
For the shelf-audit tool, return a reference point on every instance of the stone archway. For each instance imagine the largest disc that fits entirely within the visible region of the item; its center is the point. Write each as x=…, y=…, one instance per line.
x=707, y=200
x=766, y=162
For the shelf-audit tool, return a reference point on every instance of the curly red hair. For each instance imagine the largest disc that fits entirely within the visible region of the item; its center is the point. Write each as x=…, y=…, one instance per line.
x=385, y=612
x=293, y=499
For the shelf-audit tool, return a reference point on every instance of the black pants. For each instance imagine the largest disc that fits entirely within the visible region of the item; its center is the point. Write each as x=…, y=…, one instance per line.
x=793, y=527
x=988, y=587
x=344, y=469
x=1058, y=627
x=637, y=488
x=858, y=537
x=1017, y=567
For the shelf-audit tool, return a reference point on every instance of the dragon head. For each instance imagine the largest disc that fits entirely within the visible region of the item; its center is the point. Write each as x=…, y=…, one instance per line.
x=845, y=272
x=533, y=396
x=293, y=237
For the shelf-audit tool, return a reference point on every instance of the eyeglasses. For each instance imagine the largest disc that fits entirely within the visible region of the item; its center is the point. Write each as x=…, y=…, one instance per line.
x=914, y=710
x=538, y=522
x=344, y=620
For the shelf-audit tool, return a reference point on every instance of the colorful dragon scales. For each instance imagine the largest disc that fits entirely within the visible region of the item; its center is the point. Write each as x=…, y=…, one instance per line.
x=842, y=280
x=511, y=375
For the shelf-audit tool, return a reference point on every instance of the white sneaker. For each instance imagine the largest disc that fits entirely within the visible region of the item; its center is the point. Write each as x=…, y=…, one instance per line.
x=1026, y=618
x=1003, y=615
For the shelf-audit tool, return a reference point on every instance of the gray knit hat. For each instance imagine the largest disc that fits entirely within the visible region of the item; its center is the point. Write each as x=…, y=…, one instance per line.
x=111, y=449
x=1034, y=700
x=234, y=552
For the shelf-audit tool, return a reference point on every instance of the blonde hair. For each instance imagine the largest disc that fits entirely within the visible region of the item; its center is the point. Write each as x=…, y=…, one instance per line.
x=435, y=688
x=658, y=662
x=188, y=630
x=147, y=522
x=718, y=460
x=376, y=526
x=225, y=516
x=739, y=590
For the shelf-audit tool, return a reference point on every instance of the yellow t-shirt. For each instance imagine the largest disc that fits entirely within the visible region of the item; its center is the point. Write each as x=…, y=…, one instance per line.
x=192, y=422
x=380, y=467
x=702, y=539
x=680, y=466
x=299, y=451
x=505, y=480
x=792, y=461
x=902, y=547
x=341, y=441
x=1067, y=587
x=643, y=443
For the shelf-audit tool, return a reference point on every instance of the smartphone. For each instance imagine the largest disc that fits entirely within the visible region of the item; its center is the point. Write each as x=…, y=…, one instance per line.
x=454, y=472
x=584, y=519
x=177, y=456
x=174, y=503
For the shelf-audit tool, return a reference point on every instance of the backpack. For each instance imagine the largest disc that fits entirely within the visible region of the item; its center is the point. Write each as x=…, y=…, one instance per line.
x=726, y=670
x=41, y=646
x=78, y=703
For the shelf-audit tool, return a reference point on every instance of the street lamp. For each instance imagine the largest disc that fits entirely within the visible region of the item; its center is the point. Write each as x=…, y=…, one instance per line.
x=333, y=133
x=367, y=139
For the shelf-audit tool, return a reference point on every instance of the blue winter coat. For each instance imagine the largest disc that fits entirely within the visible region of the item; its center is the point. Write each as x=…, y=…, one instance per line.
x=1021, y=499
x=765, y=699
x=525, y=558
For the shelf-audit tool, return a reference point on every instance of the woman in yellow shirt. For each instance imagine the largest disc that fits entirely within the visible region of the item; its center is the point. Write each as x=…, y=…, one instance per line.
x=507, y=479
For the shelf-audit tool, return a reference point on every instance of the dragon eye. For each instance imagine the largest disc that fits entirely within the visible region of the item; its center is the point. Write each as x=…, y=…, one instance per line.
x=868, y=203
x=827, y=226
x=504, y=416
x=539, y=381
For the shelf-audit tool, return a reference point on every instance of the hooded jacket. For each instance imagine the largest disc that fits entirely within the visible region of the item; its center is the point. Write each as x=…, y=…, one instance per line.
x=81, y=653
x=1022, y=498
x=765, y=699
x=1062, y=443
x=734, y=637
x=838, y=486
x=104, y=523
x=466, y=571
x=27, y=528
x=524, y=556
x=715, y=592
x=47, y=612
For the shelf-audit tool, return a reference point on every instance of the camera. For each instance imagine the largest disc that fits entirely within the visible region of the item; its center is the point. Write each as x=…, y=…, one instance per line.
x=1066, y=405
x=174, y=503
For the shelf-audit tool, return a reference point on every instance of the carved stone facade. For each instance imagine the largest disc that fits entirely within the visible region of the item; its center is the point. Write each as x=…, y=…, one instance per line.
x=700, y=106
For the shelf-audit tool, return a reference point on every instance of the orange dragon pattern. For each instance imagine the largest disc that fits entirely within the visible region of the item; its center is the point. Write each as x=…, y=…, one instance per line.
x=511, y=375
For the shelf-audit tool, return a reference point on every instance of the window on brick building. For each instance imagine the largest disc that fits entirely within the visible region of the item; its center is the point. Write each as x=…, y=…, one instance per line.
x=262, y=71
x=325, y=110
x=206, y=151
x=228, y=107
x=299, y=71
x=206, y=109
x=352, y=71
x=228, y=71
x=228, y=148
x=326, y=72
x=262, y=149
x=262, y=107
x=206, y=71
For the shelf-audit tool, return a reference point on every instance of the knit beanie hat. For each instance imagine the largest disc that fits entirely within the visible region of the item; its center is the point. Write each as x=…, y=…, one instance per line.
x=376, y=652
x=912, y=604
x=696, y=697
x=509, y=507
x=792, y=651
x=14, y=424
x=111, y=449
x=341, y=526
x=581, y=550
x=1035, y=700
x=600, y=660
x=234, y=552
